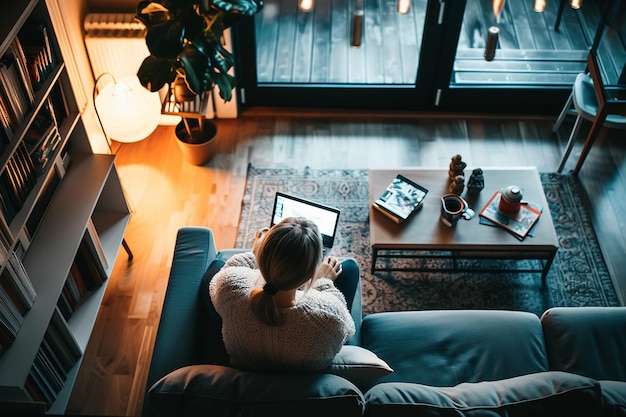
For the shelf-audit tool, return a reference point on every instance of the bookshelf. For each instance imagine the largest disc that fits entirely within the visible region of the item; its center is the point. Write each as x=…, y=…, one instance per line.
x=63, y=214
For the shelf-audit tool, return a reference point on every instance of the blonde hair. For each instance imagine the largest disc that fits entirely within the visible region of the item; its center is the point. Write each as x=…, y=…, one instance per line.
x=288, y=258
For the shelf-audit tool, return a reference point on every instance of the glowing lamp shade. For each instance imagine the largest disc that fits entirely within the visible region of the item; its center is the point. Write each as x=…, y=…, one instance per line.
x=306, y=5
x=127, y=111
x=539, y=5
x=575, y=4
x=403, y=6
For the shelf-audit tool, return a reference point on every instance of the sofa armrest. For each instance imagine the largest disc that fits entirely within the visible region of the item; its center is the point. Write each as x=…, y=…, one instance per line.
x=589, y=341
x=182, y=328
x=225, y=254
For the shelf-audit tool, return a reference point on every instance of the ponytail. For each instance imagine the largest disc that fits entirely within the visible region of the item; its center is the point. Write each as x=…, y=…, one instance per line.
x=288, y=258
x=264, y=307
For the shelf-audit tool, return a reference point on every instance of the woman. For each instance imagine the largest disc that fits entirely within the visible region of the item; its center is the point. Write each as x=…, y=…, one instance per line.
x=279, y=306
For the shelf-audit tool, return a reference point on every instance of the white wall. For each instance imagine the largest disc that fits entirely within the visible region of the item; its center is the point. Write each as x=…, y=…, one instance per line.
x=68, y=18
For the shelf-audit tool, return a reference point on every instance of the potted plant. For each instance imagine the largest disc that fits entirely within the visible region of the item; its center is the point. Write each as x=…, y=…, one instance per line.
x=184, y=38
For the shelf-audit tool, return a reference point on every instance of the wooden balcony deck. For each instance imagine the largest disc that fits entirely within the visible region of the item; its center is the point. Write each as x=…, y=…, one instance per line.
x=315, y=47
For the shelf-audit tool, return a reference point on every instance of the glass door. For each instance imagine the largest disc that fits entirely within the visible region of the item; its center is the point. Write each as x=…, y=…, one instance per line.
x=351, y=53
x=537, y=49
x=377, y=54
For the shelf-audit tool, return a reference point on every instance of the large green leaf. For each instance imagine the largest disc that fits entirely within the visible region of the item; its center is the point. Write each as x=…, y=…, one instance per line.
x=226, y=83
x=166, y=40
x=155, y=72
x=196, y=66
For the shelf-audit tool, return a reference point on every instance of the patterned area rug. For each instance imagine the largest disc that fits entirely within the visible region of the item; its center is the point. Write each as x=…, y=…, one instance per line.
x=578, y=276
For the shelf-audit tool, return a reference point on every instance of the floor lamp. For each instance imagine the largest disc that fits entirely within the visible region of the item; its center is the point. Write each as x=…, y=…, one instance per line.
x=127, y=113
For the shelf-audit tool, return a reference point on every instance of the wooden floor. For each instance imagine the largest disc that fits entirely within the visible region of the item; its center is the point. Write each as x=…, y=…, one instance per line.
x=167, y=193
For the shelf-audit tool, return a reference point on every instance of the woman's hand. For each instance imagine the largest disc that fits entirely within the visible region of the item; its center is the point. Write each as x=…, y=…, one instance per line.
x=330, y=268
x=258, y=238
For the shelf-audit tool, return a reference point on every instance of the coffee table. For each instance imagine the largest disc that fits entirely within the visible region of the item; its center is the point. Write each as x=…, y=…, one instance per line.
x=424, y=235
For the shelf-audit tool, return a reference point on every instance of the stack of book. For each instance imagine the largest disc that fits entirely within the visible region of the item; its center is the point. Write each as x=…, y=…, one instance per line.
x=23, y=68
x=17, y=92
x=56, y=356
x=16, y=182
x=17, y=297
x=88, y=272
x=519, y=225
x=59, y=350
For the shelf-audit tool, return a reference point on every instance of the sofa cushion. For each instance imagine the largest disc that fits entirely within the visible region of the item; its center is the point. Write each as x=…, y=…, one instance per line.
x=541, y=394
x=359, y=366
x=588, y=341
x=614, y=396
x=224, y=391
x=448, y=347
x=213, y=328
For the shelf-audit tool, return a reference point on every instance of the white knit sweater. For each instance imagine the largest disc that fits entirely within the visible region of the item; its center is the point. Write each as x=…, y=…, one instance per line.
x=314, y=330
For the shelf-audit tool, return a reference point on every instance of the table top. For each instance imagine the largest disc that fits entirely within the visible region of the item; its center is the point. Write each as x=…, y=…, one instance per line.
x=425, y=231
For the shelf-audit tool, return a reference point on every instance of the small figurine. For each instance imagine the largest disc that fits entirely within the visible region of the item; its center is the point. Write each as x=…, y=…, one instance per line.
x=476, y=181
x=457, y=185
x=456, y=167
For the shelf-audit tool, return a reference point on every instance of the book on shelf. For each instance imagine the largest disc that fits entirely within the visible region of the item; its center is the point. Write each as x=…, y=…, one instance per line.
x=35, y=41
x=17, y=53
x=16, y=267
x=57, y=354
x=17, y=94
x=17, y=284
x=9, y=188
x=44, y=152
x=40, y=128
x=520, y=225
x=26, y=167
x=58, y=105
x=66, y=303
x=19, y=180
x=8, y=127
x=6, y=238
x=401, y=198
x=13, y=89
x=10, y=317
x=62, y=340
x=76, y=283
x=12, y=115
x=73, y=291
x=43, y=389
x=16, y=181
x=6, y=204
x=89, y=271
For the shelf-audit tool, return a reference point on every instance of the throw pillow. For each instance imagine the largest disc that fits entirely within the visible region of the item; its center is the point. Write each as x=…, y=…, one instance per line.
x=221, y=390
x=360, y=366
x=546, y=394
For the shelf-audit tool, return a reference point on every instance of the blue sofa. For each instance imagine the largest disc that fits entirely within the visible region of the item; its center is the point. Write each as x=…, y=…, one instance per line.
x=570, y=362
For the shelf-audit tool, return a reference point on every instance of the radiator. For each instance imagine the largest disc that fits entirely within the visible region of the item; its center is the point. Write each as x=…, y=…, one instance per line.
x=115, y=43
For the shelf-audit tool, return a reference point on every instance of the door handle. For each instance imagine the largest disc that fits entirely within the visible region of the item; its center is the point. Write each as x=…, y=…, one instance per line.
x=442, y=10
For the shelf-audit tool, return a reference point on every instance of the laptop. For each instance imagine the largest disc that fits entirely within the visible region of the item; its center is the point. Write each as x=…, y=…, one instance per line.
x=325, y=217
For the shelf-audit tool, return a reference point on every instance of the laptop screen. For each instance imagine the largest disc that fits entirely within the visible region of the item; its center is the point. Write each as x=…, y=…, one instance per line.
x=326, y=218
